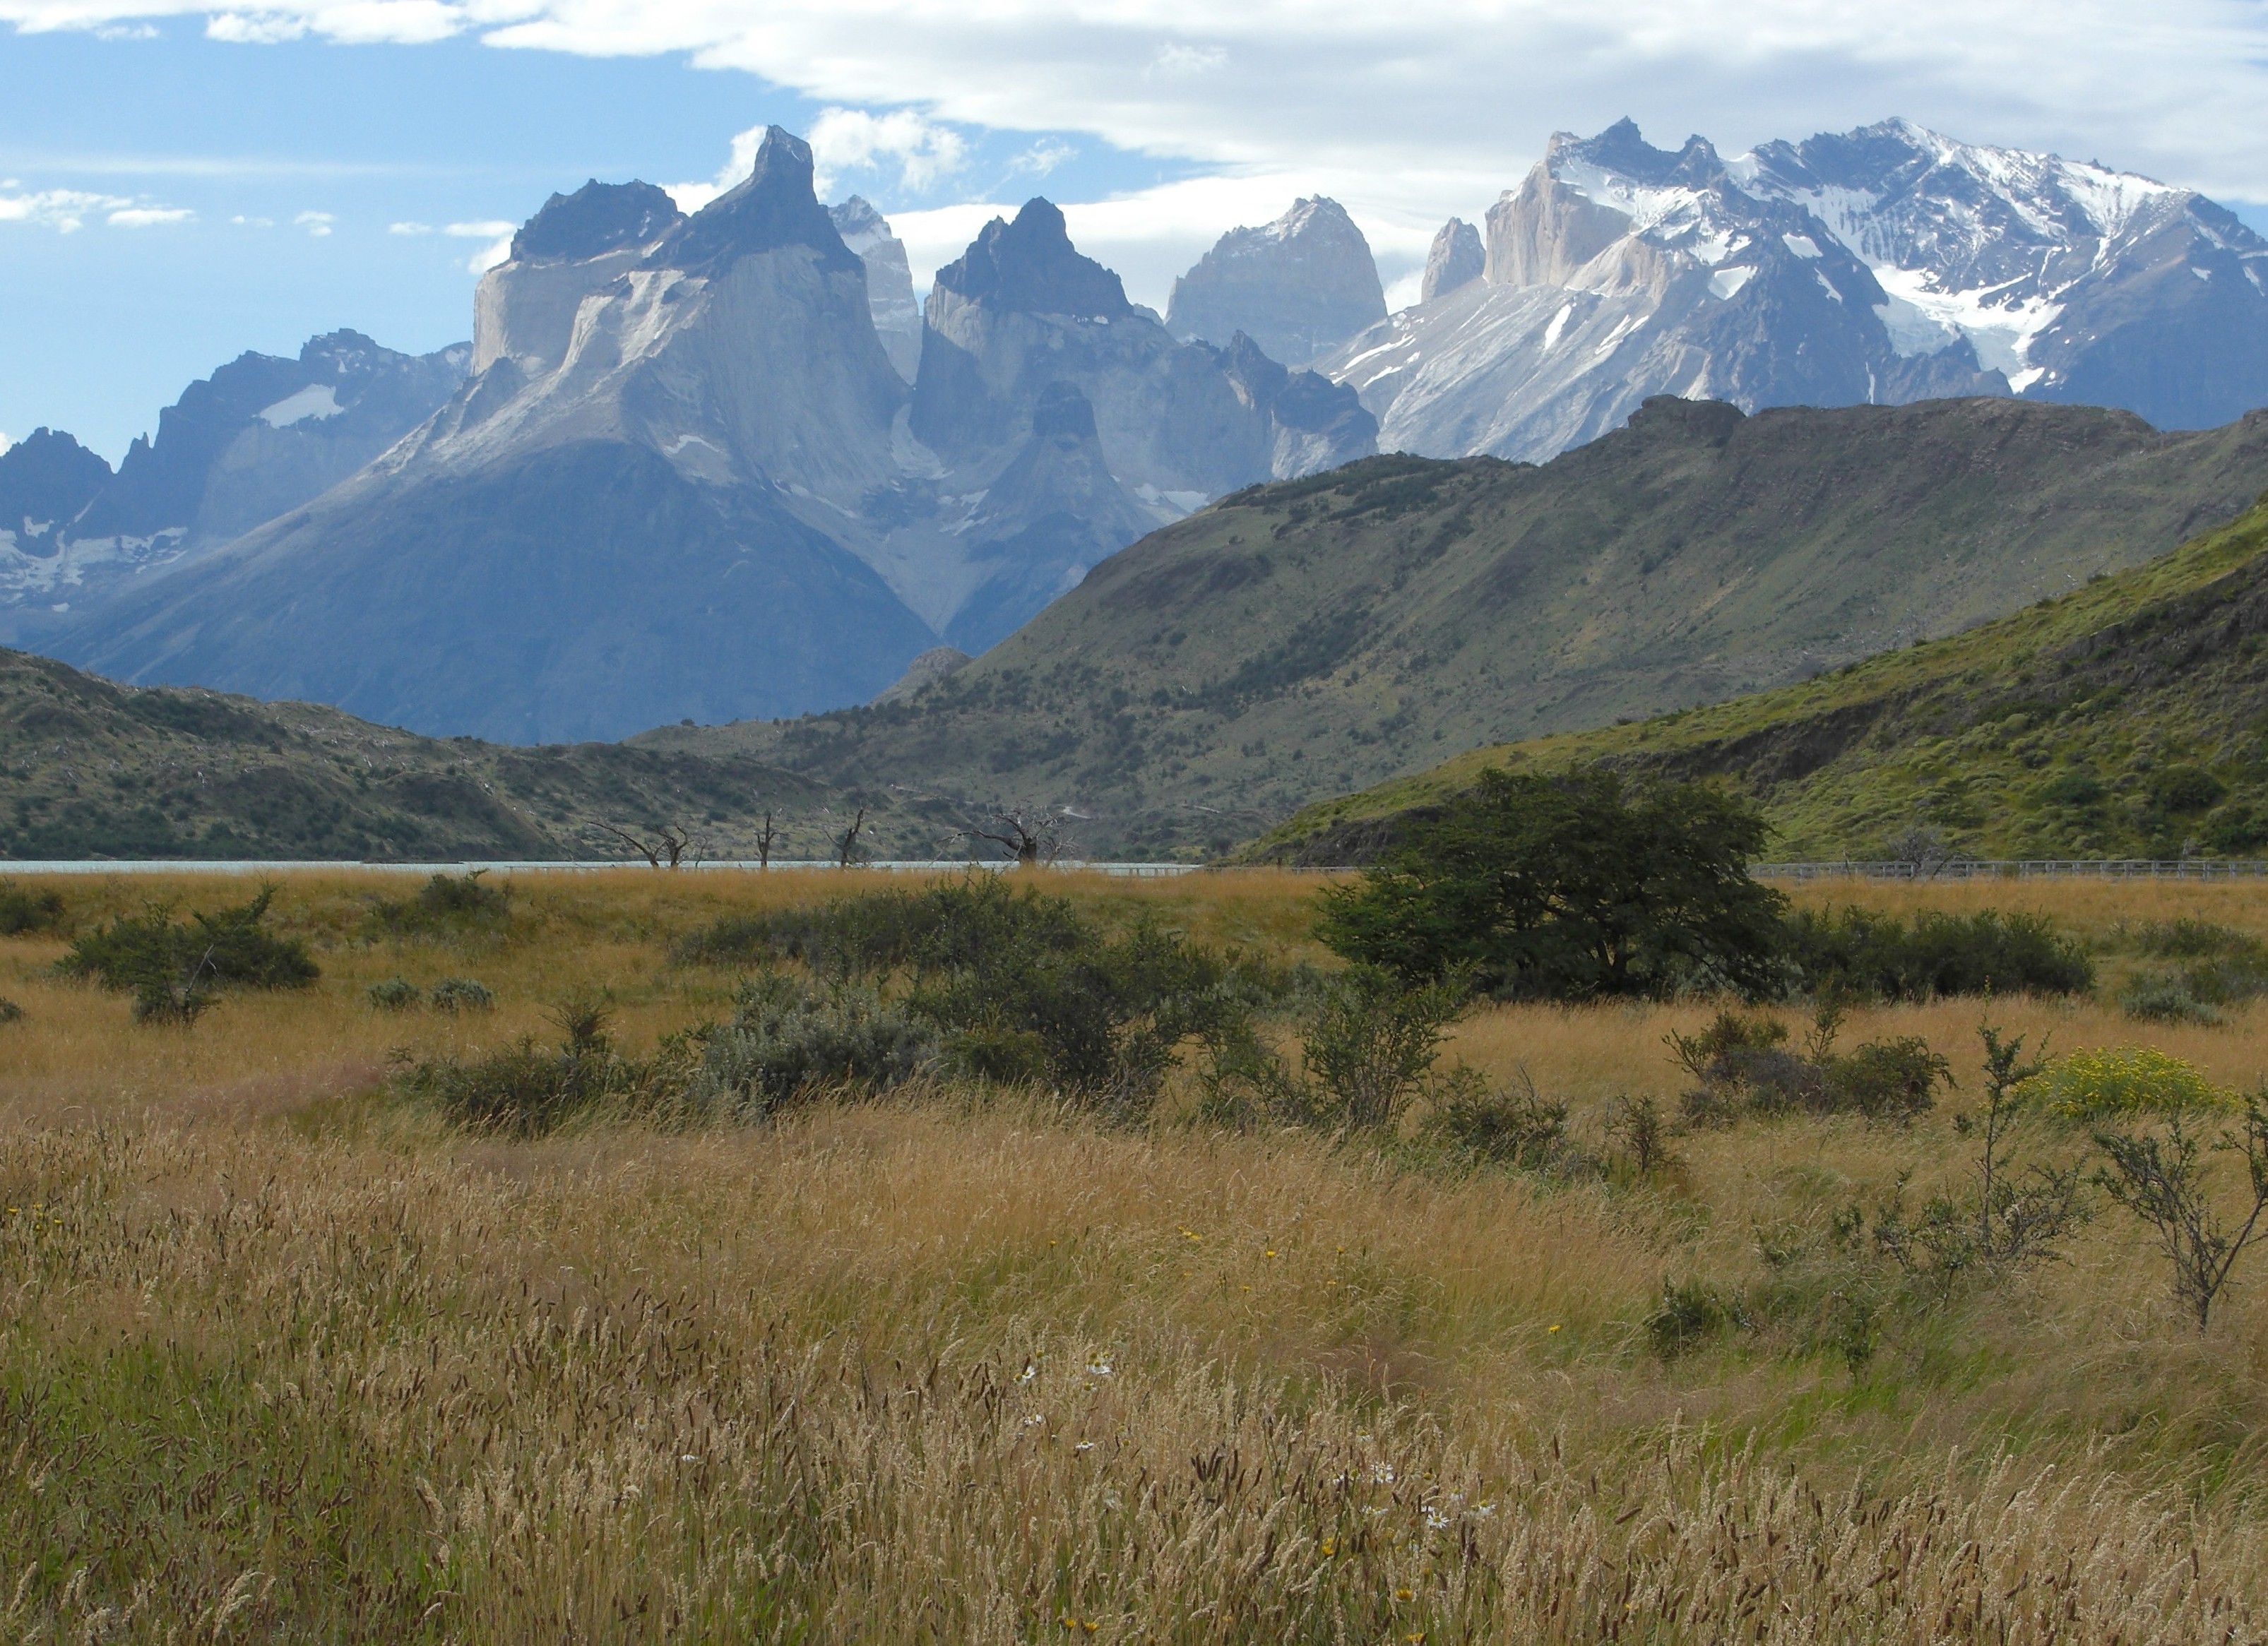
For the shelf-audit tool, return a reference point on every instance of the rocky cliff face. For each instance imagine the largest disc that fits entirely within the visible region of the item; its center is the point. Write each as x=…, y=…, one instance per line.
x=889, y=281
x=1884, y=265
x=1298, y=287
x=1456, y=258
x=260, y=437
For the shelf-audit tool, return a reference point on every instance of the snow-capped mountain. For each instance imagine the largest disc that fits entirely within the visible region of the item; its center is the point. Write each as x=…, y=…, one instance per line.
x=1298, y=287
x=1883, y=264
x=686, y=477
x=262, y=435
x=889, y=281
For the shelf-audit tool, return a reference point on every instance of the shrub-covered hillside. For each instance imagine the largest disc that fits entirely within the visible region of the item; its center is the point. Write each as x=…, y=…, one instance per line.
x=2129, y=717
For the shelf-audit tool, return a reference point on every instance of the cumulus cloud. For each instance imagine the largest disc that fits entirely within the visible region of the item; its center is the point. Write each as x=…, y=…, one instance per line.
x=149, y=216
x=924, y=152
x=64, y=210
x=410, y=228
x=317, y=224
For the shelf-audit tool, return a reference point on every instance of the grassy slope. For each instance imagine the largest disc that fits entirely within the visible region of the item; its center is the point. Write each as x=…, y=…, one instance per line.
x=1308, y=638
x=88, y=769
x=957, y=1368
x=1993, y=736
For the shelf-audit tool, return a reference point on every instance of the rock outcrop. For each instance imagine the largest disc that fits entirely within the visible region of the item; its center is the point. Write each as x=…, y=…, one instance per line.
x=1455, y=258
x=1298, y=287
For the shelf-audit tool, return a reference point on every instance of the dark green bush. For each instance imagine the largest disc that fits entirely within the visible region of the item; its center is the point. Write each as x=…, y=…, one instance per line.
x=1017, y=985
x=1510, y=1125
x=525, y=1089
x=171, y=966
x=10, y=1012
x=2186, y=789
x=446, y=903
x=2218, y=967
x=1568, y=888
x=23, y=910
x=1881, y=956
x=1689, y=1315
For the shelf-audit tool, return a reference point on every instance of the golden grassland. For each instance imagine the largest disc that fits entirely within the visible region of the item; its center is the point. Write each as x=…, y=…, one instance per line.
x=282, y=1358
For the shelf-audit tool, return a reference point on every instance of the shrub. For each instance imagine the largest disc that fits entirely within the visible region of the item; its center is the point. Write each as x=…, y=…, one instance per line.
x=2163, y=997
x=461, y=994
x=10, y=1012
x=1741, y=1066
x=1510, y=1125
x=1372, y=1042
x=784, y=1043
x=446, y=902
x=1689, y=1315
x=1992, y=952
x=230, y=947
x=525, y=1091
x=1570, y=888
x=2220, y=967
x=2127, y=1080
x=2186, y=789
x=2162, y=1182
x=395, y=994
x=23, y=910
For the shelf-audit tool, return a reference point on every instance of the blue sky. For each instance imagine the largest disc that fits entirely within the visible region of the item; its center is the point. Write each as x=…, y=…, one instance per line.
x=236, y=177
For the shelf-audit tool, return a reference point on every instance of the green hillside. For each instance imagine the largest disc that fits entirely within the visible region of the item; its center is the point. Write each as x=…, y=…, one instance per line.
x=91, y=770
x=2128, y=718
x=1305, y=639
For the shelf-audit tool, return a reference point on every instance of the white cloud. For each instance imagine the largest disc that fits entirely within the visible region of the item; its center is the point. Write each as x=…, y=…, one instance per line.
x=1410, y=111
x=254, y=28
x=852, y=140
x=1041, y=157
x=64, y=210
x=410, y=228
x=149, y=216
x=317, y=224
x=253, y=222
x=486, y=230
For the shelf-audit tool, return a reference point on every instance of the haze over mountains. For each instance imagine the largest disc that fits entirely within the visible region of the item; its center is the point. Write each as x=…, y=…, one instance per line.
x=724, y=467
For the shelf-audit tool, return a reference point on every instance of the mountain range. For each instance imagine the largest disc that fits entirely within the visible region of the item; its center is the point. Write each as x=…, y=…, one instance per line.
x=686, y=475
x=1879, y=266
x=724, y=467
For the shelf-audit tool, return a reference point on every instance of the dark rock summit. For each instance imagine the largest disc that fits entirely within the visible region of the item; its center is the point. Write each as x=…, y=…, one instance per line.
x=772, y=207
x=45, y=480
x=1031, y=266
x=596, y=217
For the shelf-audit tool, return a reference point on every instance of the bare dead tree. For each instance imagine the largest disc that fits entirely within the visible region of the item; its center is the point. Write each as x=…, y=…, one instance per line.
x=846, y=848
x=1029, y=841
x=666, y=851
x=764, y=842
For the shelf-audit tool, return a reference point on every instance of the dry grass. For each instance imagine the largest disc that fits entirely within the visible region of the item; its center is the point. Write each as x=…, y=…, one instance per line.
x=279, y=1359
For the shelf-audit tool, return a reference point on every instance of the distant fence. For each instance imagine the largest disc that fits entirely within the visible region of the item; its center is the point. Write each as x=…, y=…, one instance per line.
x=207, y=865
x=2024, y=869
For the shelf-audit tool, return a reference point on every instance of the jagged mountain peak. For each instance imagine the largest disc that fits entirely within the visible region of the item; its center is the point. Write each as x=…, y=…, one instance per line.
x=856, y=216
x=46, y=479
x=775, y=205
x=596, y=218
x=1031, y=265
x=1456, y=258
x=1299, y=286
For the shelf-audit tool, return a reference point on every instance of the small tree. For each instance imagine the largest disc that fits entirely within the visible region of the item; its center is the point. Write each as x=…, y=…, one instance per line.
x=1030, y=842
x=1570, y=888
x=765, y=841
x=665, y=850
x=1372, y=1041
x=2162, y=1182
x=846, y=844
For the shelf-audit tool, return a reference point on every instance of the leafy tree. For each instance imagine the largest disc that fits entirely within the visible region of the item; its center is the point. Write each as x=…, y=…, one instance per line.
x=1568, y=888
